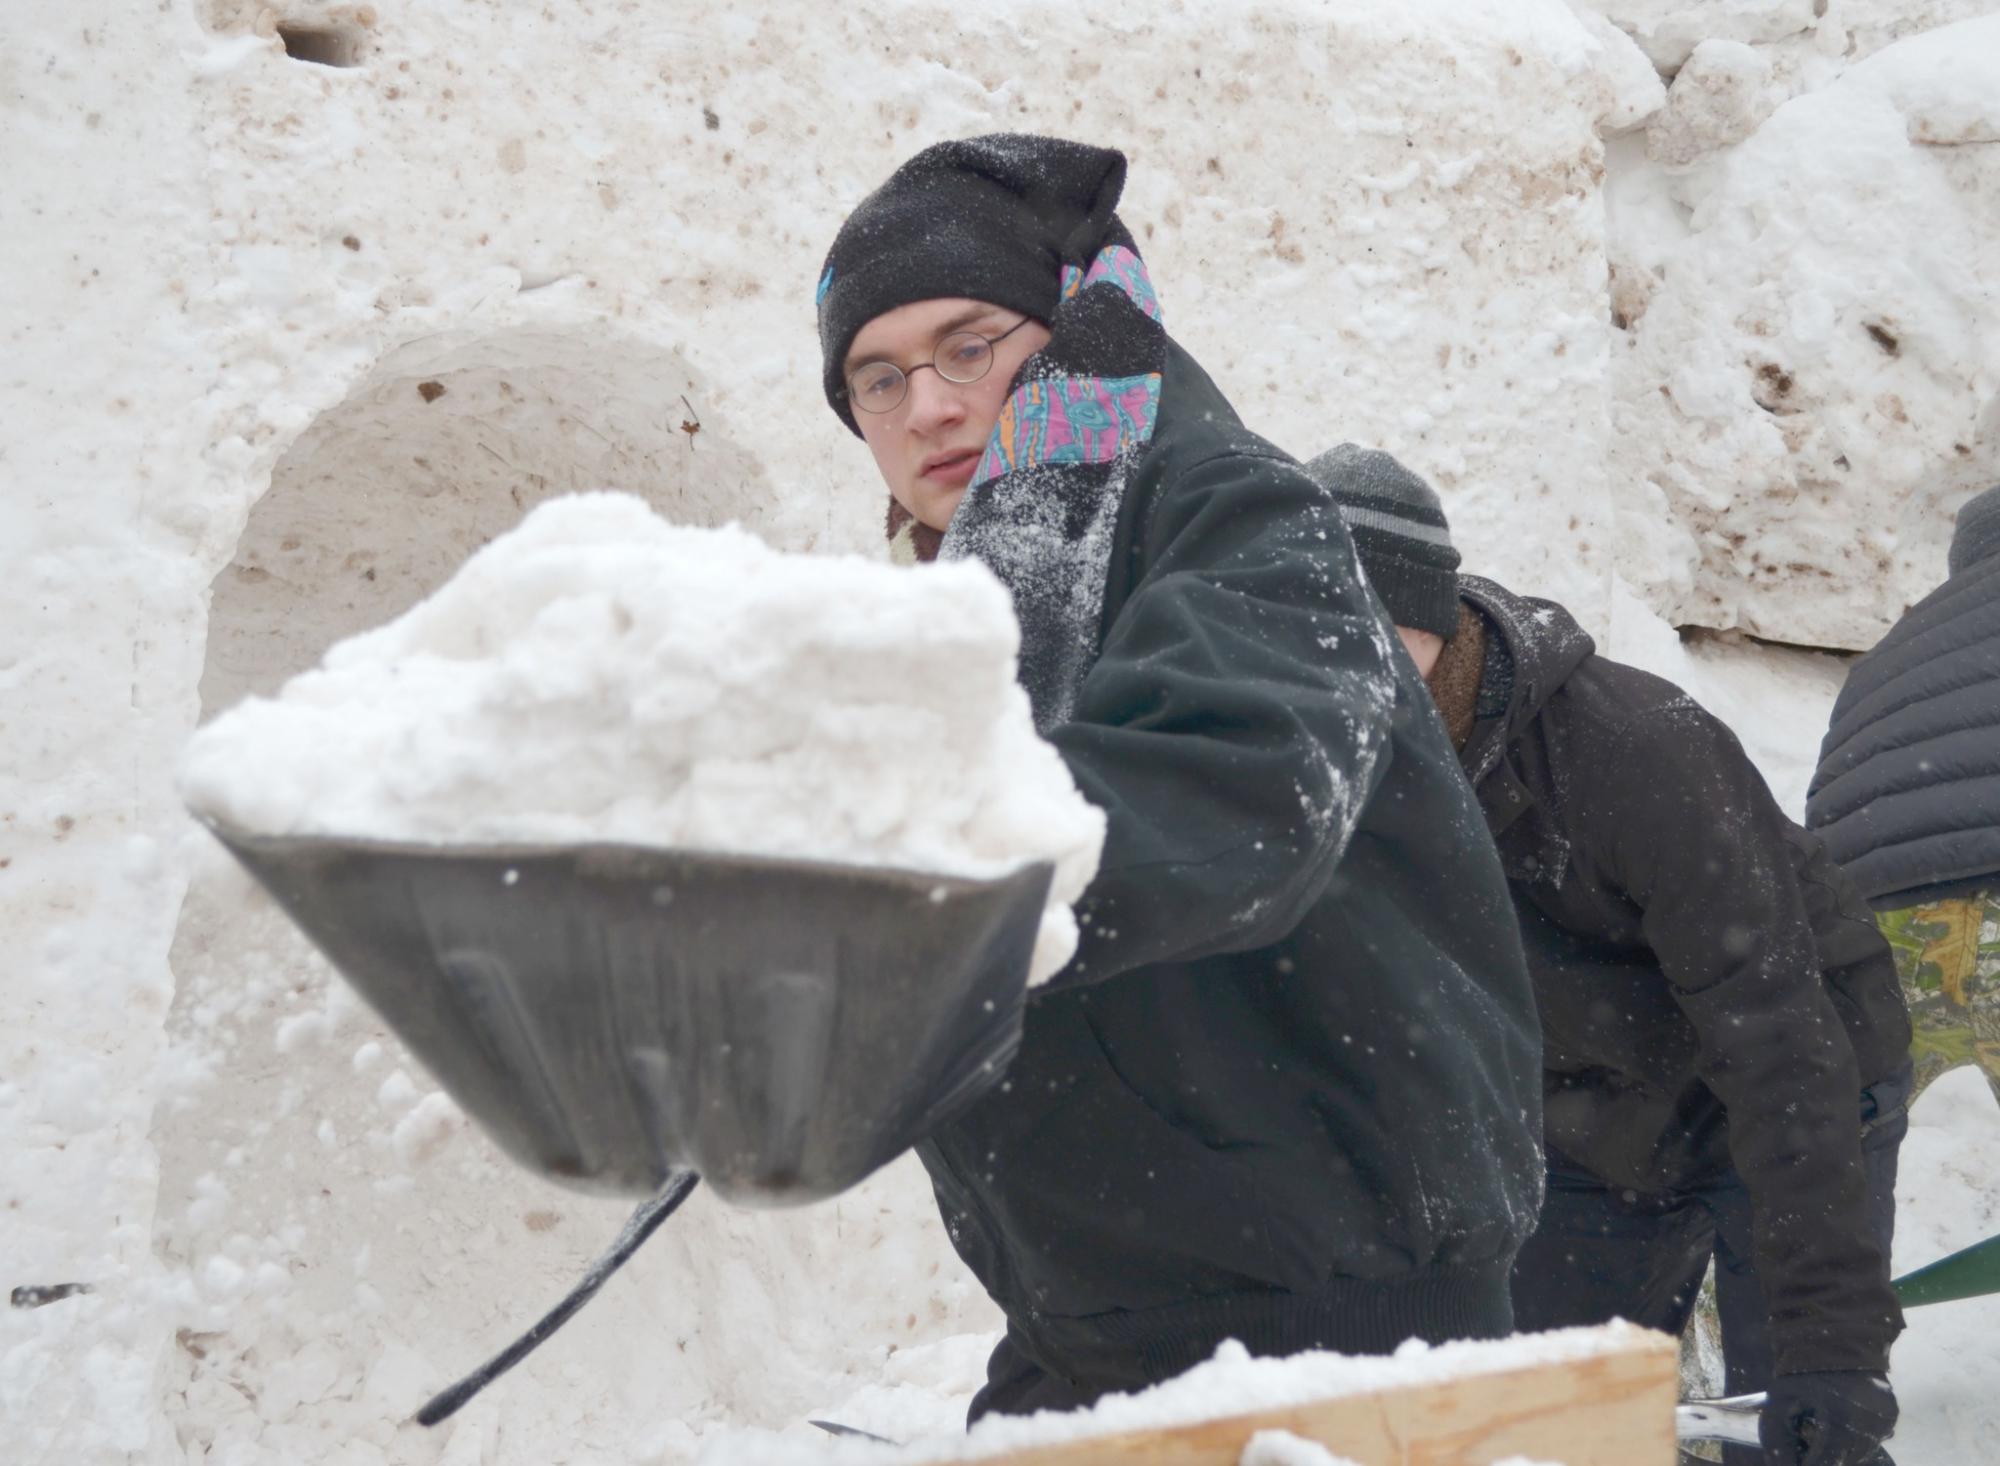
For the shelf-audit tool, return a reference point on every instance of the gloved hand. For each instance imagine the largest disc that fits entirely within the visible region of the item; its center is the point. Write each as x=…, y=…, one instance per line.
x=1831, y=1417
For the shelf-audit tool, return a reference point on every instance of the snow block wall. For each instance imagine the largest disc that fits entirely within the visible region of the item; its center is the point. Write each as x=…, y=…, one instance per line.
x=1805, y=257
x=307, y=300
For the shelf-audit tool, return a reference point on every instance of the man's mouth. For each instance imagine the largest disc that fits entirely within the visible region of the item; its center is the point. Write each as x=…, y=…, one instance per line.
x=950, y=468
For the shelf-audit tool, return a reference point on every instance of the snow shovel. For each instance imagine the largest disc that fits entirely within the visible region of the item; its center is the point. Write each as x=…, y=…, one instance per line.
x=1973, y=1272
x=611, y=1015
x=622, y=1019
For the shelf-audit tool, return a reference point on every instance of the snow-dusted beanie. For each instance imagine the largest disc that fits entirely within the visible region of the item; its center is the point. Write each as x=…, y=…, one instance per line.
x=991, y=218
x=1978, y=533
x=1400, y=531
x=1043, y=501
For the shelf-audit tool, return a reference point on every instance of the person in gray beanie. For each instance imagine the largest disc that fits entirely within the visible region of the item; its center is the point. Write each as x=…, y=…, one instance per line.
x=1717, y=1009
x=1907, y=797
x=1404, y=541
x=1399, y=527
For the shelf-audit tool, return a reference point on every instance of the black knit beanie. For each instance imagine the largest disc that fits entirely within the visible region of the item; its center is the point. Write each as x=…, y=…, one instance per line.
x=1978, y=533
x=1399, y=528
x=991, y=218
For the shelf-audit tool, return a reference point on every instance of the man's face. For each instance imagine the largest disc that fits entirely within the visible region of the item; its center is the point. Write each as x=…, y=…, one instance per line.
x=929, y=444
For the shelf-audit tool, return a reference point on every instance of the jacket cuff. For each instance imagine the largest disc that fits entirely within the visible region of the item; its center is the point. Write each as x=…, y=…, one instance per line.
x=1811, y=1349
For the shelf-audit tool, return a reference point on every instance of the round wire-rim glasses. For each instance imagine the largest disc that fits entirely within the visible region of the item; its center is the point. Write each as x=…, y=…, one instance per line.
x=962, y=357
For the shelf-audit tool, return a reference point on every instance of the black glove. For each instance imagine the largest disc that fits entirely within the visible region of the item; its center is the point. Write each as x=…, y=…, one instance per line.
x=1830, y=1417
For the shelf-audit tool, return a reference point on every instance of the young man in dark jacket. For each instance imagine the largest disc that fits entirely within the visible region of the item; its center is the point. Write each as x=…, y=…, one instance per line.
x=1287, y=1090
x=1713, y=995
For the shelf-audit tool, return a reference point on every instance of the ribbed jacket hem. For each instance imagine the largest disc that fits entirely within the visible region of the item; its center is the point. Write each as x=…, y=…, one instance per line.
x=1346, y=1315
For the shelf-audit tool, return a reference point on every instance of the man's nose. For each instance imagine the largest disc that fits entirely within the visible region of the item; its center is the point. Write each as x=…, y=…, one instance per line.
x=934, y=402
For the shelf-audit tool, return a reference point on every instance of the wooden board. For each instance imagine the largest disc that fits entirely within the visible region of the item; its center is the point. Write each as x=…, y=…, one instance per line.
x=1614, y=1409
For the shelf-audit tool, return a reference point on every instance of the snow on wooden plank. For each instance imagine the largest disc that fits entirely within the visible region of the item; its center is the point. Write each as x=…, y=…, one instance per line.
x=1615, y=1408
x=1582, y=1397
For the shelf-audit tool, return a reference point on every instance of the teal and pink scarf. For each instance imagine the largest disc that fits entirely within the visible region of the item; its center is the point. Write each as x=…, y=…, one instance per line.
x=1042, y=509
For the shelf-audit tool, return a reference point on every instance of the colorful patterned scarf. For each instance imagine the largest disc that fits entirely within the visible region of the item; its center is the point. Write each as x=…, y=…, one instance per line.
x=1042, y=508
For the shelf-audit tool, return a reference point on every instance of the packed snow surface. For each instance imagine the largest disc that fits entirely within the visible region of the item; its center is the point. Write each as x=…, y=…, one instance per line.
x=599, y=674
x=1947, y=1198
x=1809, y=379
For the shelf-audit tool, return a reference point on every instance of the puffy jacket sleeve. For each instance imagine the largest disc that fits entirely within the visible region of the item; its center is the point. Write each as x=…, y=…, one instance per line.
x=1699, y=844
x=1235, y=723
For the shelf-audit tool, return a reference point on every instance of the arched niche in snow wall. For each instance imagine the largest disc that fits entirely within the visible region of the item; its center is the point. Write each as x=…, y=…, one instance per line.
x=348, y=1243
x=446, y=444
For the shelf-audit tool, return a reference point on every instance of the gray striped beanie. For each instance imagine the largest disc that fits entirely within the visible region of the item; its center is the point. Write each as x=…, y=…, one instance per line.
x=1399, y=528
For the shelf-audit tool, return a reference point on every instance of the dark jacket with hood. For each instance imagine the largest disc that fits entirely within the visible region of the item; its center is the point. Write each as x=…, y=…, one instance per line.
x=1288, y=1090
x=1907, y=795
x=1713, y=992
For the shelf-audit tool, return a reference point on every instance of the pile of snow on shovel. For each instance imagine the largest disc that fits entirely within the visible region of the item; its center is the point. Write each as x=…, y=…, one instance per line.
x=601, y=675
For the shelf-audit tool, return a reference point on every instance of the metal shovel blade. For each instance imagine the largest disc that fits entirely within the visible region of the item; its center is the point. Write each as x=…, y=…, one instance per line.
x=612, y=1014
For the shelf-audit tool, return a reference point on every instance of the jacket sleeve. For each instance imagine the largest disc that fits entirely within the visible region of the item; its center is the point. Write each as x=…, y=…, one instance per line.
x=1699, y=844
x=1235, y=723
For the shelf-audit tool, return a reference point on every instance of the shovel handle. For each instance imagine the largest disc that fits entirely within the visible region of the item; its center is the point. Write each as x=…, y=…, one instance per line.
x=1973, y=1272
x=852, y=1432
x=1732, y=1419
x=642, y=1224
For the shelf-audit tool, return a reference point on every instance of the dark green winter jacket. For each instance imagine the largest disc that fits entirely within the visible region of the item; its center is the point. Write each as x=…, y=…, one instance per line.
x=1289, y=1090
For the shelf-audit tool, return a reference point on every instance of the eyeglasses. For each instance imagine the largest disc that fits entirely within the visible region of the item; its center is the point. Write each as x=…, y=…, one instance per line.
x=962, y=357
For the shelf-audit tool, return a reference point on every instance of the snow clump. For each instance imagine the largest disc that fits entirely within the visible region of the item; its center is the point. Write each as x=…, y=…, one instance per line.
x=601, y=675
